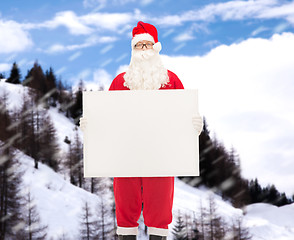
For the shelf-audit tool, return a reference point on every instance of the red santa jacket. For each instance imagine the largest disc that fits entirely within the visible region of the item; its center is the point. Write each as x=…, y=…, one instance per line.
x=174, y=82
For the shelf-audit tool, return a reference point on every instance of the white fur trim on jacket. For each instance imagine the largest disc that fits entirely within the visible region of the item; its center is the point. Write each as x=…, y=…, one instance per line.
x=157, y=231
x=127, y=231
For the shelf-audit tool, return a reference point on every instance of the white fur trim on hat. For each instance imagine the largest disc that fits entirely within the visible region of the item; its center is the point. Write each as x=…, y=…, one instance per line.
x=157, y=47
x=141, y=37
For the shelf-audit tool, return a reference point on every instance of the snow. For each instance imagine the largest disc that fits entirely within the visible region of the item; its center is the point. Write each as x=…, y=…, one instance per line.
x=60, y=203
x=60, y=206
x=270, y=222
x=15, y=92
x=64, y=127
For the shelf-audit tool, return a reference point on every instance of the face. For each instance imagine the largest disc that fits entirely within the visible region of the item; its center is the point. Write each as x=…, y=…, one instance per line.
x=144, y=45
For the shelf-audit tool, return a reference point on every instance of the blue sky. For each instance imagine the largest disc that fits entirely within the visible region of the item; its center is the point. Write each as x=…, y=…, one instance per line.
x=239, y=54
x=78, y=36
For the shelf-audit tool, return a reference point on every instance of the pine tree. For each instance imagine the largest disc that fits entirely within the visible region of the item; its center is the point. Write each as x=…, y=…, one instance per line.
x=33, y=227
x=76, y=109
x=35, y=79
x=9, y=176
x=24, y=127
x=14, y=74
x=215, y=229
x=205, y=151
x=48, y=143
x=113, y=215
x=2, y=76
x=203, y=216
x=89, y=224
x=65, y=98
x=105, y=222
x=75, y=161
x=239, y=232
x=103, y=219
x=4, y=117
x=220, y=170
x=179, y=230
x=268, y=194
x=196, y=225
x=51, y=87
x=10, y=197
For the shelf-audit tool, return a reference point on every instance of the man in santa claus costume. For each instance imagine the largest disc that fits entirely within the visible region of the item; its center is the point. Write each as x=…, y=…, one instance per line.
x=145, y=72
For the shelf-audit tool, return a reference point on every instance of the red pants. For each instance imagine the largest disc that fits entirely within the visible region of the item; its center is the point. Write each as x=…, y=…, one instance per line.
x=156, y=194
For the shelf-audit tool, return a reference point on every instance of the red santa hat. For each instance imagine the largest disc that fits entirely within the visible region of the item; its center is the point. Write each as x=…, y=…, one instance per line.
x=146, y=31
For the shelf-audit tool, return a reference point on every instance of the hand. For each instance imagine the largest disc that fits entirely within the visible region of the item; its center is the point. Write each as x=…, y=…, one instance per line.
x=197, y=123
x=83, y=123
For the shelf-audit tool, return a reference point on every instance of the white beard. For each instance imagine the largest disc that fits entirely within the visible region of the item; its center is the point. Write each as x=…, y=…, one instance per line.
x=146, y=71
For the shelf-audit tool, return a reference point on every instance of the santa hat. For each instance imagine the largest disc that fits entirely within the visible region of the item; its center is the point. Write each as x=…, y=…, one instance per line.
x=147, y=32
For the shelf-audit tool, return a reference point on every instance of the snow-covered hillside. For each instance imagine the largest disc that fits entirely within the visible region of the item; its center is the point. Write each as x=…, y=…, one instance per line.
x=60, y=204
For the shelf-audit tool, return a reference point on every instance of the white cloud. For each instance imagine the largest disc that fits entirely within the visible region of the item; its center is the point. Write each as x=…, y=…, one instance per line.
x=89, y=23
x=184, y=37
x=5, y=67
x=212, y=43
x=106, y=49
x=60, y=70
x=96, y=4
x=83, y=75
x=259, y=30
x=121, y=69
x=99, y=78
x=91, y=41
x=99, y=4
x=106, y=62
x=233, y=10
x=279, y=11
x=146, y=2
x=70, y=20
x=109, y=21
x=74, y=56
x=13, y=37
x=281, y=28
x=246, y=93
x=102, y=78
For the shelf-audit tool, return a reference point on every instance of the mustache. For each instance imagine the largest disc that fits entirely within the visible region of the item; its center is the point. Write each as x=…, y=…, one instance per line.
x=143, y=55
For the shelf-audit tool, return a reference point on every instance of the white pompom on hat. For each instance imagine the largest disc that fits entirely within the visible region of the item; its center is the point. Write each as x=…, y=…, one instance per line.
x=147, y=32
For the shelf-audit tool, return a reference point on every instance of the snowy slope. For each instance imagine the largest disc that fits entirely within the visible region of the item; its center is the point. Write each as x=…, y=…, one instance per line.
x=60, y=206
x=15, y=94
x=270, y=222
x=60, y=203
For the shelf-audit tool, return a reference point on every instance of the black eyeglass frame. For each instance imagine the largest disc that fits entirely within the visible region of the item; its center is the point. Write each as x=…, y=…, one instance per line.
x=143, y=44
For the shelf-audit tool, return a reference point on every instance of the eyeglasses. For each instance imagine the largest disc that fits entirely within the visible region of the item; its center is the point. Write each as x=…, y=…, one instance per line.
x=141, y=45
